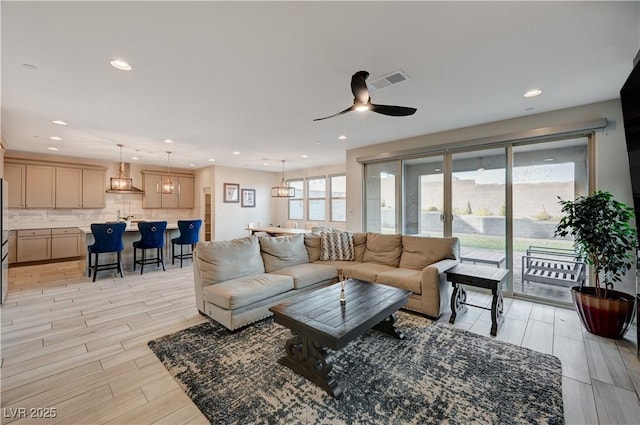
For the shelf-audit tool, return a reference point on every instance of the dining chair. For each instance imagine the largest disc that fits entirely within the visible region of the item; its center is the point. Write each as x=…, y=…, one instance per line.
x=189, y=235
x=291, y=225
x=309, y=226
x=107, y=238
x=151, y=236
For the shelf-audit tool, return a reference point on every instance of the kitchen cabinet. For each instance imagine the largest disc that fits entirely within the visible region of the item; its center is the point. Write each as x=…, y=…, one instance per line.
x=13, y=240
x=33, y=245
x=182, y=199
x=40, y=186
x=67, y=242
x=93, y=188
x=68, y=185
x=48, y=244
x=14, y=174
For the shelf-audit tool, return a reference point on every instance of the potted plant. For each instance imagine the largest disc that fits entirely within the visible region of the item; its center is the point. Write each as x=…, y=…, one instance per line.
x=605, y=240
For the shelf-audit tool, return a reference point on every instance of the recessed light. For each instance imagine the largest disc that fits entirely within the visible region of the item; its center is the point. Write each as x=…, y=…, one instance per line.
x=56, y=138
x=533, y=93
x=121, y=65
x=192, y=165
x=135, y=158
x=212, y=160
x=265, y=164
x=168, y=141
x=548, y=159
x=342, y=137
x=304, y=156
x=59, y=122
x=51, y=148
x=236, y=153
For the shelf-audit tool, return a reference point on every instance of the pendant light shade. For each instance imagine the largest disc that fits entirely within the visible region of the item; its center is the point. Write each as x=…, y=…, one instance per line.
x=283, y=190
x=168, y=186
x=121, y=182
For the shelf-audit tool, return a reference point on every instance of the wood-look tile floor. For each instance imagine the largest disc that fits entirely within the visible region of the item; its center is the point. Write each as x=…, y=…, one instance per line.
x=80, y=348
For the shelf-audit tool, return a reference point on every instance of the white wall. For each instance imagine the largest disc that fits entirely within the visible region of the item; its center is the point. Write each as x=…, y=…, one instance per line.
x=612, y=164
x=230, y=219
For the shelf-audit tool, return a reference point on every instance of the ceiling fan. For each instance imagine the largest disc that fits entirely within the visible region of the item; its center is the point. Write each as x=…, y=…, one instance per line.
x=362, y=101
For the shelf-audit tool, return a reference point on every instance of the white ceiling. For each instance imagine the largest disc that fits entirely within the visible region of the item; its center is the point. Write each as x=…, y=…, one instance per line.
x=218, y=77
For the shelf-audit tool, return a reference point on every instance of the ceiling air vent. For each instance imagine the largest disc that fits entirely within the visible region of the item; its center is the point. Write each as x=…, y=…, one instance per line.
x=389, y=79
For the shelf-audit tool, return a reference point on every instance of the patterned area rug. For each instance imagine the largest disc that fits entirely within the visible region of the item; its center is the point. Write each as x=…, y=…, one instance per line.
x=437, y=374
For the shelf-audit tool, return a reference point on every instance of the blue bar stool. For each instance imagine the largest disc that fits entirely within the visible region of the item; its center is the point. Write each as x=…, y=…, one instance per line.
x=189, y=233
x=152, y=236
x=107, y=238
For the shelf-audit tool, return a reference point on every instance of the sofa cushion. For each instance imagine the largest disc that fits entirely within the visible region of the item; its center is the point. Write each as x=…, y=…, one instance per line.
x=359, y=246
x=308, y=274
x=402, y=278
x=337, y=264
x=336, y=246
x=312, y=243
x=247, y=290
x=383, y=249
x=223, y=260
x=418, y=252
x=365, y=271
x=283, y=251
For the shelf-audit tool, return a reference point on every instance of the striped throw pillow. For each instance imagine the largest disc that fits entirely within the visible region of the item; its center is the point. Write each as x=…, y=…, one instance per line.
x=336, y=246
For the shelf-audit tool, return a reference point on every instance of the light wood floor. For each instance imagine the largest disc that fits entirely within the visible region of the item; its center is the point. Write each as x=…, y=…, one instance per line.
x=80, y=347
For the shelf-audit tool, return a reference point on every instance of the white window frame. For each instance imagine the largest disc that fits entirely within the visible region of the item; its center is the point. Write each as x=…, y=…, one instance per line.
x=309, y=198
x=331, y=197
x=295, y=198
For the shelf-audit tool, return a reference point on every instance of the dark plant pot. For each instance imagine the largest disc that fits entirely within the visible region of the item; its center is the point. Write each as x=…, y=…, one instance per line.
x=608, y=317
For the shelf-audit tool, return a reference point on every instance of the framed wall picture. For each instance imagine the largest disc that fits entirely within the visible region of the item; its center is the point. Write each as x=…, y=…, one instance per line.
x=231, y=192
x=248, y=197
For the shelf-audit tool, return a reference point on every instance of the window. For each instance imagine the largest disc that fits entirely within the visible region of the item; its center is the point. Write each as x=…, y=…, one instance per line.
x=296, y=204
x=338, y=197
x=316, y=195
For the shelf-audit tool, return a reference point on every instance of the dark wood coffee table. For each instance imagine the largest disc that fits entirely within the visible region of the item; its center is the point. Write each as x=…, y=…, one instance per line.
x=318, y=321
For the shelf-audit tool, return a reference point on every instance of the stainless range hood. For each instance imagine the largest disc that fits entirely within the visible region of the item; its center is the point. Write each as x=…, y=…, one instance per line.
x=122, y=173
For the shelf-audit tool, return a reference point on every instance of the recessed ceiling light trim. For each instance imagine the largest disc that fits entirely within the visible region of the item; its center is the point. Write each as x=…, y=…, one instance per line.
x=56, y=138
x=59, y=122
x=168, y=141
x=532, y=93
x=51, y=148
x=121, y=65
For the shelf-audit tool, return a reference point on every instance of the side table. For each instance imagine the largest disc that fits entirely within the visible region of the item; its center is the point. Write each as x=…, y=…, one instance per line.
x=480, y=277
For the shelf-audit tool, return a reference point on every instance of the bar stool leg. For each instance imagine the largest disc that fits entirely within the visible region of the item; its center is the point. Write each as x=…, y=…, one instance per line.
x=161, y=257
x=89, y=263
x=95, y=270
x=181, y=255
x=173, y=253
x=143, y=260
x=120, y=264
x=134, y=258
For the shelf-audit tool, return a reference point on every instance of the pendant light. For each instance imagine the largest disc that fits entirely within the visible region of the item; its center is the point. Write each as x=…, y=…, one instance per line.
x=284, y=190
x=167, y=186
x=121, y=182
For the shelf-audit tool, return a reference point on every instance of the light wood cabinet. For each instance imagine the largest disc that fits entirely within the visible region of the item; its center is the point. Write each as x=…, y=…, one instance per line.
x=68, y=187
x=33, y=245
x=153, y=199
x=13, y=240
x=40, y=186
x=187, y=192
x=14, y=174
x=48, y=244
x=66, y=243
x=93, y=188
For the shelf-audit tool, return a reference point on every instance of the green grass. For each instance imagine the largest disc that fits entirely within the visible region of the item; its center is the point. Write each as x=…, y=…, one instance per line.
x=519, y=244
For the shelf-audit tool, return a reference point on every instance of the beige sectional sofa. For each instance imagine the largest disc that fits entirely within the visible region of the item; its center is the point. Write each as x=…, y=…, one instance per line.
x=237, y=281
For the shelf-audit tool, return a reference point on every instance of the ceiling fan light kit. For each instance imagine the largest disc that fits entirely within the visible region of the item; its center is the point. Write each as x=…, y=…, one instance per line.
x=362, y=101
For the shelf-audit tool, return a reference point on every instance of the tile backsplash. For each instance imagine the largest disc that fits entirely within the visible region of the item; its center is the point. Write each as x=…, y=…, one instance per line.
x=126, y=204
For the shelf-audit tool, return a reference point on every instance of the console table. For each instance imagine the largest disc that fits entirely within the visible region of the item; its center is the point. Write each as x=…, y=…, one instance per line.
x=480, y=277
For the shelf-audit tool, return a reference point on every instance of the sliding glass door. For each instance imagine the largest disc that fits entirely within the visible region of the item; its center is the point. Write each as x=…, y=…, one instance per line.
x=383, y=197
x=542, y=172
x=478, y=205
x=423, y=189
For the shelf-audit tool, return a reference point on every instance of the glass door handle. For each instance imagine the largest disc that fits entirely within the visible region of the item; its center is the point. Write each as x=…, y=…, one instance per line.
x=442, y=217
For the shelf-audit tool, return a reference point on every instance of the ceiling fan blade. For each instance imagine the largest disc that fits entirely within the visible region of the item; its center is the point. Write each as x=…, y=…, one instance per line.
x=359, y=87
x=394, y=111
x=335, y=115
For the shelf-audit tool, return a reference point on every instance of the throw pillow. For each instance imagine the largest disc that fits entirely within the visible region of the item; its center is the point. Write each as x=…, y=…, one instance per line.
x=336, y=246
